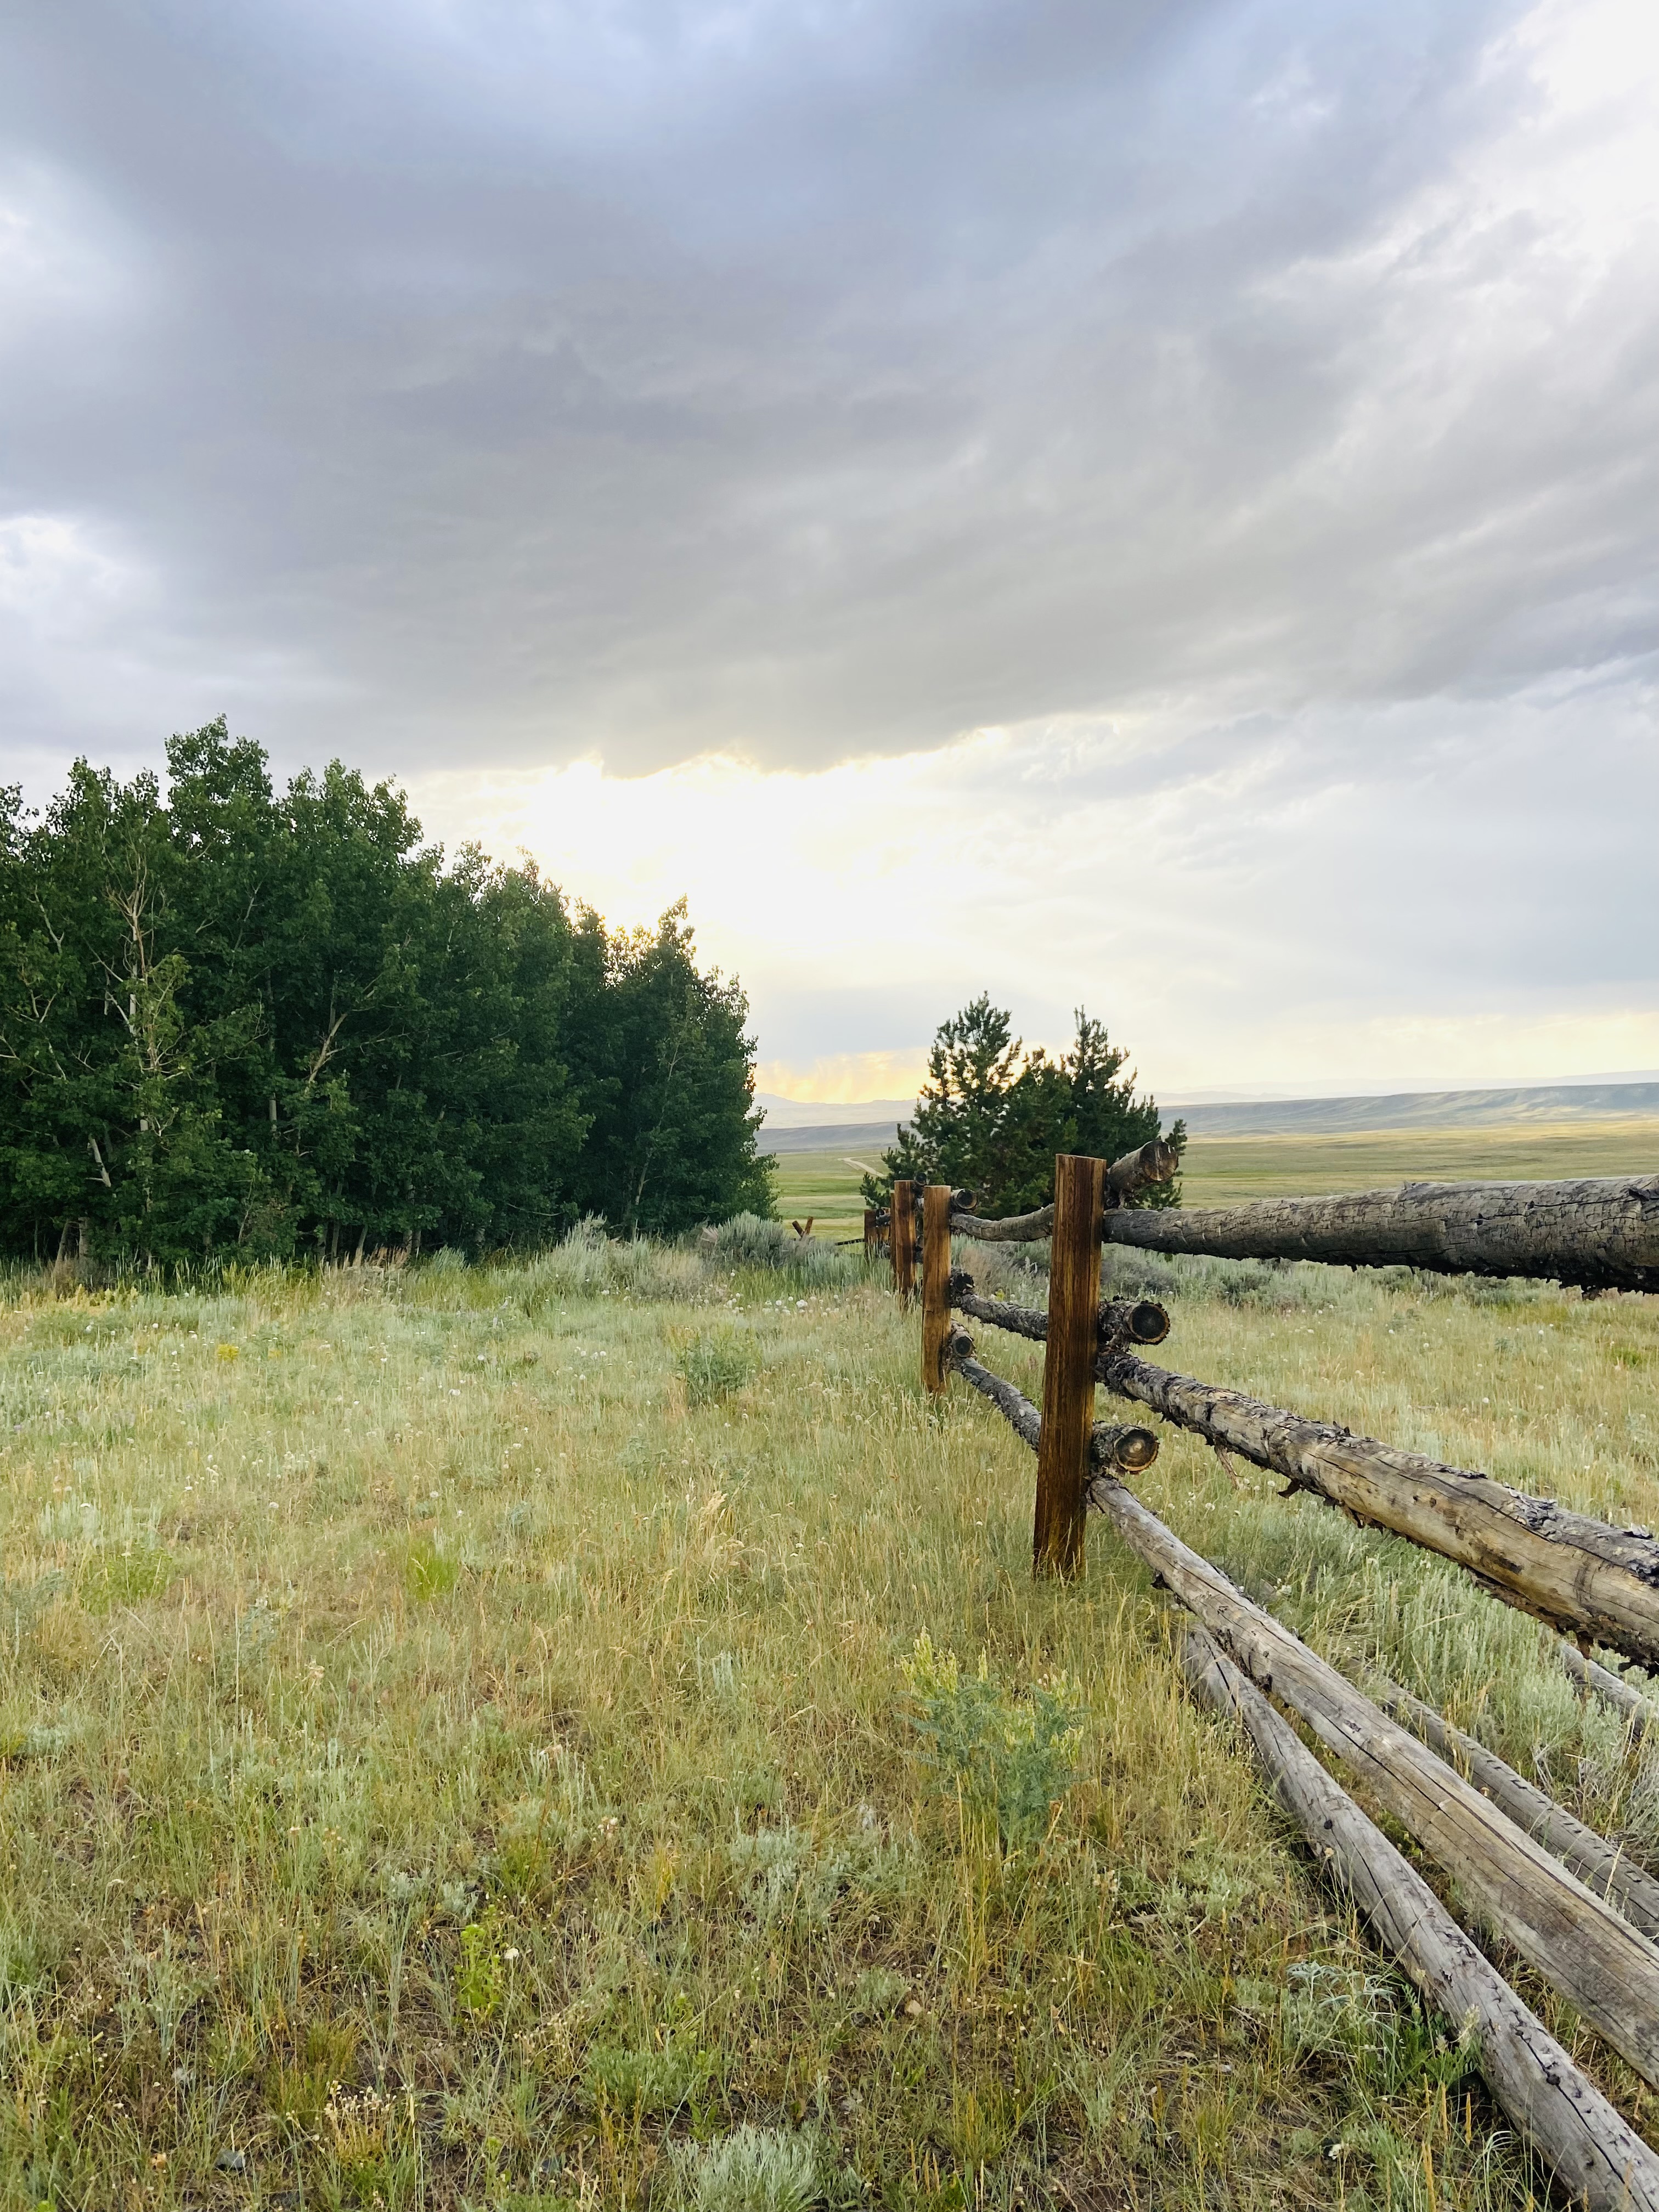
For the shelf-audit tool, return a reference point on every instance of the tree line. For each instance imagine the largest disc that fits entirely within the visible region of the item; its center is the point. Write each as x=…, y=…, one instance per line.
x=279, y=1023
x=992, y=1115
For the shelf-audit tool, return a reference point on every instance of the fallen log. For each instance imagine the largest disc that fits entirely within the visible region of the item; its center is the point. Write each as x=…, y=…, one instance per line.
x=1614, y=1691
x=1560, y=2115
x=1576, y=1573
x=1601, y=1233
x=1600, y=1865
x=1528, y=1899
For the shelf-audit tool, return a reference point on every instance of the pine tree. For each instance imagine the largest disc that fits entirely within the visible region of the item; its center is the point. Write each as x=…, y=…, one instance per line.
x=992, y=1116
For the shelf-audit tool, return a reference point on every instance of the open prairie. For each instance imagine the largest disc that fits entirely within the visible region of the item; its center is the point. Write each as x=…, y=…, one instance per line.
x=1217, y=1170
x=466, y=1739
x=824, y=1185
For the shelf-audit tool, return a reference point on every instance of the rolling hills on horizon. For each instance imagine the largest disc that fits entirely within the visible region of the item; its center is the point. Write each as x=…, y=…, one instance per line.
x=876, y=1118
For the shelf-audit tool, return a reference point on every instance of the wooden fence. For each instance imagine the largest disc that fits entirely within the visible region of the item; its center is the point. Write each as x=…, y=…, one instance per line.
x=1535, y=1877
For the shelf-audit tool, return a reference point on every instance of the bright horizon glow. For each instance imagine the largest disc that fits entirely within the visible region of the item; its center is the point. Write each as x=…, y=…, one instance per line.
x=763, y=856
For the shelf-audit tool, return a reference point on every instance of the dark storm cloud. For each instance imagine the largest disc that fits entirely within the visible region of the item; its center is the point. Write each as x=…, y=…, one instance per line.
x=514, y=381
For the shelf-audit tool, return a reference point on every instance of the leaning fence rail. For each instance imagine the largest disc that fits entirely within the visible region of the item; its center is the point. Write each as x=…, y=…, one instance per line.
x=1535, y=1876
x=1599, y=2157
x=1566, y=1568
x=1581, y=1938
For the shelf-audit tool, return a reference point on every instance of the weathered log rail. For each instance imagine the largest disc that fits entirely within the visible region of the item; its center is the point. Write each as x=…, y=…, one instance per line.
x=1600, y=1233
x=1579, y=1574
x=1569, y=1901
x=1595, y=1232
x=1121, y=1321
x=1153, y=1163
x=1525, y=1894
x=1583, y=1576
x=1600, y=1682
x=1602, y=1866
x=1601, y=2160
x=1112, y=1446
x=1566, y=1568
x=1522, y=1893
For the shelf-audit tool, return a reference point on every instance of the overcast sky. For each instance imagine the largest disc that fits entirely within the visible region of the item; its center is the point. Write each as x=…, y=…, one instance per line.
x=1154, y=505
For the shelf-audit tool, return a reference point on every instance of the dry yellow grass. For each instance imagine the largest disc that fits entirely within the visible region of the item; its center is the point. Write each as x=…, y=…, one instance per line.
x=450, y=1756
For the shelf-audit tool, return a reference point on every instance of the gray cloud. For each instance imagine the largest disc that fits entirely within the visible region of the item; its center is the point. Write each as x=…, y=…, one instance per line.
x=520, y=381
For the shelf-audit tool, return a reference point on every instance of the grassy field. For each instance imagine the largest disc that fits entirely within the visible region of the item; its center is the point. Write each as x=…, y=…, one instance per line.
x=1217, y=1170
x=826, y=1186
x=465, y=1741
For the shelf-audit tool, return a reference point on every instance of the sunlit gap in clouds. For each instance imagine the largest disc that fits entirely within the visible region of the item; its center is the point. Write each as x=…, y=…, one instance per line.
x=1291, y=902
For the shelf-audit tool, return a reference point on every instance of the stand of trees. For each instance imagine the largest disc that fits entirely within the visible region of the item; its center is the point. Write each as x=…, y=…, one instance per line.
x=992, y=1115
x=277, y=1024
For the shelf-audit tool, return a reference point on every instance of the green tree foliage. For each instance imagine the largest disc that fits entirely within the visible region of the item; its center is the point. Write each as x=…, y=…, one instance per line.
x=237, y=1020
x=992, y=1116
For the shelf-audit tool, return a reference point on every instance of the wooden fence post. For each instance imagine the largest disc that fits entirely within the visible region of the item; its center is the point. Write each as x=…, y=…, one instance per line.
x=1068, y=1366
x=935, y=1283
x=902, y=1229
x=872, y=1232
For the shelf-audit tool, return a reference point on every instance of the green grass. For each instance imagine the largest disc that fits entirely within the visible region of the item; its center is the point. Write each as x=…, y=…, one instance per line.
x=824, y=1185
x=1216, y=1170
x=465, y=1740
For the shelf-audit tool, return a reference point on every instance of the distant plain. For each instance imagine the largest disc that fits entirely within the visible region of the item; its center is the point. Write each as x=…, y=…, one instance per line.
x=1219, y=1170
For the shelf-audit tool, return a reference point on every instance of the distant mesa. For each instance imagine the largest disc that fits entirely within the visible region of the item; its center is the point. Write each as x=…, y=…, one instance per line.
x=820, y=1113
x=813, y=1125
x=802, y=1125
x=1420, y=1110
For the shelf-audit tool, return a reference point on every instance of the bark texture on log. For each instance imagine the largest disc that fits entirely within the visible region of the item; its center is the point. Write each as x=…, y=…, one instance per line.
x=1614, y=1691
x=1014, y=1229
x=1600, y=1865
x=1576, y=1573
x=1011, y=1402
x=1602, y=1233
x=1603, y=2163
x=1018, y=1320
x=1121, y=1321
x=1154, y=1162
x=1573, y=1937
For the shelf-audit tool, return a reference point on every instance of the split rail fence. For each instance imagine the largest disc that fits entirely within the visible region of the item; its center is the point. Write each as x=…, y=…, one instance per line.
x=1568, y=1901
